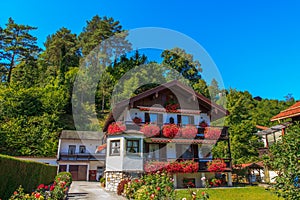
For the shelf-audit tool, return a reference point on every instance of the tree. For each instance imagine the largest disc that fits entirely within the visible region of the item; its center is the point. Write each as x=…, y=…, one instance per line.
x=214, y=90
x=62, y=52
x=285, y=159
x=17, y=45
x=98, y=30
x=202, y=88
x=183, y=63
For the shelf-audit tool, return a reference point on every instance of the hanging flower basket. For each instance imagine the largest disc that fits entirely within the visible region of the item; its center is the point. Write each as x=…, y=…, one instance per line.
x=150, y=130
x=189, y=131
x=116, y=127
x=212, y=133
x=171, y=131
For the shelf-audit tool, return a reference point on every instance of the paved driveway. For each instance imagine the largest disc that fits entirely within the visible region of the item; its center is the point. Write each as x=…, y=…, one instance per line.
x=90, y=190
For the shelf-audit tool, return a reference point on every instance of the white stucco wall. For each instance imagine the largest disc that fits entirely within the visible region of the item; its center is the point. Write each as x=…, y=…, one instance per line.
x=90, y=145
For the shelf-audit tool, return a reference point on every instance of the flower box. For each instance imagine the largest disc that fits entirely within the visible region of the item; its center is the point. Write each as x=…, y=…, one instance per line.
x=189, y=131
x=150, y=130
x=216, y=165
x=212, y=133
x=172, y=167
x=116, y=127
x=171, y=131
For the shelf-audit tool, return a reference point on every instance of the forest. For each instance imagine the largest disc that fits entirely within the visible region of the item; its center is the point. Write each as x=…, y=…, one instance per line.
x=36, y=86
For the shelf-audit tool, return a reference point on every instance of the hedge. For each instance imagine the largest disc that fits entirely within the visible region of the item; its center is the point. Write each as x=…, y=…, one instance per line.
x=29, y=174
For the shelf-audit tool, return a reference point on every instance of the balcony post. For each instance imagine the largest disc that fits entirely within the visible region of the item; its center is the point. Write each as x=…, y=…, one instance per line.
x=229, y=179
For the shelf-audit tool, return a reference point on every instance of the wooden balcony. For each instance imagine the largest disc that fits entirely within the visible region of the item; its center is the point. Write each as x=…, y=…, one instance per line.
x=201, y=161
x=200, y=135
x=82, y=157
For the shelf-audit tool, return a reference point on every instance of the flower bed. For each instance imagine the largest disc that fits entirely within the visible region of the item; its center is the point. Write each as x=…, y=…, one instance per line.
x=58, y=190
x=150, y=130
x=116, y=127
x=189, y=131
x=171, y=131
x=172, y=167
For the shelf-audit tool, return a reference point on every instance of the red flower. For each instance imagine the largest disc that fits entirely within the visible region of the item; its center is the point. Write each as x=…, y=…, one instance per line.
x=189, y=131
x=150, y=130
x=52, y=187
x=116, y=127
x=41, y=186
x=152, y=196
x=203, y=193
x=171, y=130
x=158, y=188
x=15, y=192
x=37, y=195
x=212, y=133
x=46, y=187
x=216, y=165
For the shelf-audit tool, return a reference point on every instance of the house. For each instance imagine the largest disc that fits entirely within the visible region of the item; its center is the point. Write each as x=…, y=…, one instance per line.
x=44, y=160
x=271, y=135
x=77, y=154
x=163, y=125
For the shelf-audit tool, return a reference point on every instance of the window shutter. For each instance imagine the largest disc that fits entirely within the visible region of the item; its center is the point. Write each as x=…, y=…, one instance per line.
x=163, y=151
x=179, y=119
x=192, y=121
x=160, y=119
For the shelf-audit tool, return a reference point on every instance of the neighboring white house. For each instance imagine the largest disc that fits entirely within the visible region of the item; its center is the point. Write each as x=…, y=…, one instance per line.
x=77, y=154
x=128, y=151
x=45, y=160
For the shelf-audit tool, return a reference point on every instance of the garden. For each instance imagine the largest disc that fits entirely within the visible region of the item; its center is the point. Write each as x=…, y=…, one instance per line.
x=58, y=190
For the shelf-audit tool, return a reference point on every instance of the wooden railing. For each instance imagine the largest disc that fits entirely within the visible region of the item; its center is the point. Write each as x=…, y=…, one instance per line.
x=201, y=130
x=202, y=162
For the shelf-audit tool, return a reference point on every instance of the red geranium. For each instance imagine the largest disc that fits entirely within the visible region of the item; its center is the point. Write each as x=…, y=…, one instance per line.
x=189, y=131
x=150, y=130
x=172, y=167
x=216, y=165
x=212, y=133
x=116, y=127
x=171, y=130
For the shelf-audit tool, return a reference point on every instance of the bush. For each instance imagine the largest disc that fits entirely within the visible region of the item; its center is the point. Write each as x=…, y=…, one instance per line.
x=158, y=186
x=56, y=191
x=15, y=172
x=121, y=186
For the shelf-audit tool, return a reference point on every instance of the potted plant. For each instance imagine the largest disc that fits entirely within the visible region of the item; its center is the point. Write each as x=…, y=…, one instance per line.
x=203, y=124
x=137, y=120
x=189, y=131
x=150, y=130
x=171, y=131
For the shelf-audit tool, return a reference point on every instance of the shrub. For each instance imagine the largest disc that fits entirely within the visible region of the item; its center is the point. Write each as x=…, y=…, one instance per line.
x=15, y=172
x=56, y=191
x=121, y=186
x=151, y=186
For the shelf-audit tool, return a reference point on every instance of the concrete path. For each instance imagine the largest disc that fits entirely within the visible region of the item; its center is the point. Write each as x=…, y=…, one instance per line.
x=82, y=190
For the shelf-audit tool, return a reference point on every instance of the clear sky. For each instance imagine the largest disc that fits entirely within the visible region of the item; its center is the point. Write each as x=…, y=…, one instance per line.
x=255, y=44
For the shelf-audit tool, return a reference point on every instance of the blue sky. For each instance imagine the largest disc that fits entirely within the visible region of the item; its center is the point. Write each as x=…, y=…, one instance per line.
x=255, y=44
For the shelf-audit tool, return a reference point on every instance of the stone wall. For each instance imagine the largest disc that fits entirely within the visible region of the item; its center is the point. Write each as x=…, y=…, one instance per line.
x=113, y=179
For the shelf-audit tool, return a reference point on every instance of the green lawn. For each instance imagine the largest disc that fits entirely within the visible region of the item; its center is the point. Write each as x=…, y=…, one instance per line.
x=246, y=193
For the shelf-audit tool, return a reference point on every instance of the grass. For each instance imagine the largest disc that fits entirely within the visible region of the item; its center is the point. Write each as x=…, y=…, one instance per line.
x=245, y=193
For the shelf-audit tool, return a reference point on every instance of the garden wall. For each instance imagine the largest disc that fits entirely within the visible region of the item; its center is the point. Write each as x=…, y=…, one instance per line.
x=29, y=174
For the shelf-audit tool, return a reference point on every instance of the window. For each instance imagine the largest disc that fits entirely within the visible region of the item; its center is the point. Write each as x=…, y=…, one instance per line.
x=153, y=152
x=132, y=146
x=82, y=149
x=187, y=119
x=72, y=149
x=115, y=147
x=153, y=118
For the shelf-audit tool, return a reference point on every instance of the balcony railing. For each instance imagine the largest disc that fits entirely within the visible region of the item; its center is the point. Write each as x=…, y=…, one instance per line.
x=81, y=156
x=200, y=135
x=201, y=161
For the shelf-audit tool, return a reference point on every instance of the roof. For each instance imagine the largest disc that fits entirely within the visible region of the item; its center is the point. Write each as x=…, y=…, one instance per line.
x=101, y=147
x=292, y=111
x=219, y=111
x=81, y=135
x=255, y=165
x=273, y=129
